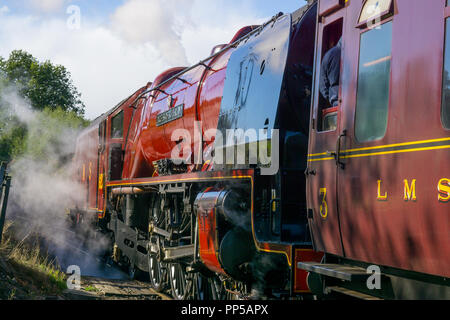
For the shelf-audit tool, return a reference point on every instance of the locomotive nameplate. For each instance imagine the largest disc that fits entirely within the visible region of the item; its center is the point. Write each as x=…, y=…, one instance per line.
x=170, y=115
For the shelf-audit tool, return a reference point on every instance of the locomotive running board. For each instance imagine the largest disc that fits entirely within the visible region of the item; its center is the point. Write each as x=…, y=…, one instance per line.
x=171, y=254
x=337, y=271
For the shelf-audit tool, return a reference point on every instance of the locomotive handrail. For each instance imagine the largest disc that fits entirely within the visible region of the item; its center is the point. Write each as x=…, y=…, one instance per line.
x=203, y=62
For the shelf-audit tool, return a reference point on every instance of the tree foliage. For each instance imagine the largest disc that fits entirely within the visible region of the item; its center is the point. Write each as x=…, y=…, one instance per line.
x=45, y=85
x=50, y=100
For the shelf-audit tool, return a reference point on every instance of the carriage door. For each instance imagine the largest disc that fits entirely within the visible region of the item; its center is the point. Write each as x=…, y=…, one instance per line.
x=364, y=172
x=321, y=174
x=101, y=165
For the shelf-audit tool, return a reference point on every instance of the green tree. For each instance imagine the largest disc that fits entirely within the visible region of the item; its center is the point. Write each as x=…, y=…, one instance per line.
x=58, y=110
x=44, y=84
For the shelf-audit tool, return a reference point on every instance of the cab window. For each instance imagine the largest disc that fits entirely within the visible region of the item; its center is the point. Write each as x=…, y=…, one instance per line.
x=117, y=126
x=373, y=83
x=102, y=135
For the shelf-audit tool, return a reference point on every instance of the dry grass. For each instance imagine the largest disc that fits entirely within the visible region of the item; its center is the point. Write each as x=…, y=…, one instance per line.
x=33, y=275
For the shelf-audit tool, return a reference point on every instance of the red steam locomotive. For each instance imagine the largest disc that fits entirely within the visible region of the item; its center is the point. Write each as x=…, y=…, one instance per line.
x=234, y=177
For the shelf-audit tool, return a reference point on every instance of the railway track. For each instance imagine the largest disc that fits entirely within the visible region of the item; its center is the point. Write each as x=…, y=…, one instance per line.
x=93, y=288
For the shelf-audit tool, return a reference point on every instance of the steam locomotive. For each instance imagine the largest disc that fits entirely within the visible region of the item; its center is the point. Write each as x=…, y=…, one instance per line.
x=234, y=178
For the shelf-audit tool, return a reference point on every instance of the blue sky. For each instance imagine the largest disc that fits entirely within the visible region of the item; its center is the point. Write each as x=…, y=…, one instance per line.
x=120, y=45
x=100, y=8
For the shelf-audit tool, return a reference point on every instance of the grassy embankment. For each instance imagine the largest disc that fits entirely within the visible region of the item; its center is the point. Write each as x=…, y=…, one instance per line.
x=25, y=271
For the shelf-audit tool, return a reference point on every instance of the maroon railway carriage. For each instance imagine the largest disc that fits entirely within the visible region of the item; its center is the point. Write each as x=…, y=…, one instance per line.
x=378, y=183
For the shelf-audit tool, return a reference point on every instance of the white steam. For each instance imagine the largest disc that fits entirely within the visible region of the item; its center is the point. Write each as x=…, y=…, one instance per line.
x=14, y=105
x=43, y=185
x=156, y=23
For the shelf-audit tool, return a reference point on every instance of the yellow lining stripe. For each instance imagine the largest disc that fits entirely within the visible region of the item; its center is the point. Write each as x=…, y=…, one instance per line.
x=321, y=159
x=396, y=151
x=384, y=146
x=318, y=154
x=397, y=145
x=384, y=152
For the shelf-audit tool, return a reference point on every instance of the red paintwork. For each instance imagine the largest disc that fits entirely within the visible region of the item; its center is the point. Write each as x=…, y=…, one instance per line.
x=242, y=32
x=166, y=75
x=301, y=276
x=207, y=229
x=135, y=165
x=409, y=235
x=201, y=94
x=86, y=159
x=89, y=155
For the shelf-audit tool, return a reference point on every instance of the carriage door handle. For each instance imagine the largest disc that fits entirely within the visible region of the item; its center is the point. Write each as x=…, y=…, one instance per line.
x=272, y=204
x=337, y=156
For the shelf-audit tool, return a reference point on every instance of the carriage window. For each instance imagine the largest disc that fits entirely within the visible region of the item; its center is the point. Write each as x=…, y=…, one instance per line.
x=373, y=83
x=117, y=126
x=330, y=76
x=374, y=9
x=446, y=80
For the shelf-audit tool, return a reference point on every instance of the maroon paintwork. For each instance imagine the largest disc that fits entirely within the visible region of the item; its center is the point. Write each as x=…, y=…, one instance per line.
x=91, y=159
x=380, y=226
x=86, y=159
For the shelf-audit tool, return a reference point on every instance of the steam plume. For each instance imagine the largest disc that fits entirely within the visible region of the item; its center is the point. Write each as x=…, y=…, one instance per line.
x=43, y=186
x=155, y=23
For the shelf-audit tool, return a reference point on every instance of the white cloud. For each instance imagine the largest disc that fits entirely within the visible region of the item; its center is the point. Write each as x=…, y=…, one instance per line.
x=215, y=23
x=4, y=9
x=153, y=22
x=144, y=38
x=47, y=5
